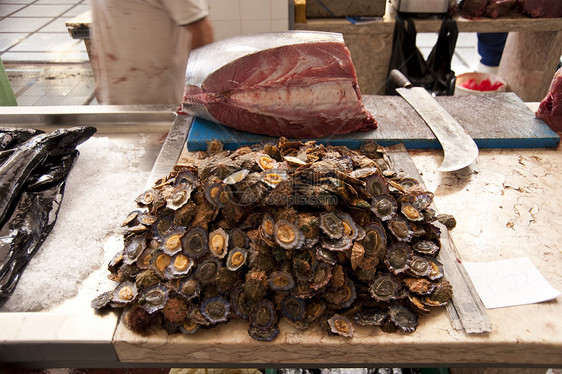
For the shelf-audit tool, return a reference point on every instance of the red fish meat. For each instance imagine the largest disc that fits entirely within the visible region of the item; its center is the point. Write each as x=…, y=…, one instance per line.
x=550, y=108
x=297, y=84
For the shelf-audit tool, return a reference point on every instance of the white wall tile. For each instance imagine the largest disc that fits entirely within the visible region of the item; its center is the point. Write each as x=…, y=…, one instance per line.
x=227, y=29
x=224, y=10
x=279, y=9
x=279, y=25
x=255, y=26
x=255, y=9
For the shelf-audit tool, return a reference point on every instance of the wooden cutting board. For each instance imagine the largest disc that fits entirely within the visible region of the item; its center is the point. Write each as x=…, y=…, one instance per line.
x=500, y=120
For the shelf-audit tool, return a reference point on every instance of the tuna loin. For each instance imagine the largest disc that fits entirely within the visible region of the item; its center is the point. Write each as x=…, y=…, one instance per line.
x=297, y=84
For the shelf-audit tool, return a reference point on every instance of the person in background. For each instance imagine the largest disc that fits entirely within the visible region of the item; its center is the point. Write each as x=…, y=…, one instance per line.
x=490, y=49
x=140, y=48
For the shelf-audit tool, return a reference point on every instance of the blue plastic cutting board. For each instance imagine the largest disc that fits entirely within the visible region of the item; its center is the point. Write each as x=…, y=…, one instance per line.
x=493, y=120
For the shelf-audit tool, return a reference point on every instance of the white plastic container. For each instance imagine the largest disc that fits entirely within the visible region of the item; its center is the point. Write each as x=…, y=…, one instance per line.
x=478, y=77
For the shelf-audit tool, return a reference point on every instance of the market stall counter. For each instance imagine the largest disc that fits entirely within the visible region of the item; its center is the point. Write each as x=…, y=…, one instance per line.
x=506, y=206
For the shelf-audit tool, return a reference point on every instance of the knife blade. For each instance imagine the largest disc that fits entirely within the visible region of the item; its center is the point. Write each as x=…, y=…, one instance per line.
x=459, y=149
x=171, y=149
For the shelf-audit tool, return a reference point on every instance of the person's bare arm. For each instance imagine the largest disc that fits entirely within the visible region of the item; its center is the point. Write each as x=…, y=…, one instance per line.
x=201, y=32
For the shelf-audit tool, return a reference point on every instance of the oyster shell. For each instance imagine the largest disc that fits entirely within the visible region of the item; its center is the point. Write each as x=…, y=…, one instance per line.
x=288, y=228
x=236, y=259
x=194, y=242
x=331, y=225
x=218, y=243
x=384, y=287
x=263, y=315
x=400, y=229
x=384, y=206
x=215, y=310
x=154, y=298
x=403, y=318
x=397, y=257
x=341, y=325
x=287, y=235
x=171, y=243
x=281, y=281
x=293, y=309
x=208, y=270
x=375, y=239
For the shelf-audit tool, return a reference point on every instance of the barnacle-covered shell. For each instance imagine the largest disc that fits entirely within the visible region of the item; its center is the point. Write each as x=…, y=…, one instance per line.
x=403, y=318
x=194, y=242
x=331, y=225
x=281, y=281
x=154, y=298
x=287, y=235
x=420, y=286
x=426, y=247
x=397, y=257
x=384, y=206
x=384, y=287
x=134, y=247
x=171, y=243
x=263, y=315
x=400, y=229
x=341, y=325
x=375, y=239
x=371, y=317
x=218, y=243
x=189, y=288
x=236, y=259
x=215, y=310
x=207, y=270
x=293, y=309
x=440, y=295
x=263, y=335
x=237, y=238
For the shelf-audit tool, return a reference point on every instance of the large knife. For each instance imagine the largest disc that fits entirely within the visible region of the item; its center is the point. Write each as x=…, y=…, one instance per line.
x=459, y=149
x=171, y=149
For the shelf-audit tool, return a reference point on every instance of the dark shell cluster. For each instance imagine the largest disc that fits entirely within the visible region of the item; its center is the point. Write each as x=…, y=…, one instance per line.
x=308, y=233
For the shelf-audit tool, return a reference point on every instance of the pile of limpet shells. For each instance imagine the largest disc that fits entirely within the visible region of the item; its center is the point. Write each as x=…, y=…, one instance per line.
x=308, y=233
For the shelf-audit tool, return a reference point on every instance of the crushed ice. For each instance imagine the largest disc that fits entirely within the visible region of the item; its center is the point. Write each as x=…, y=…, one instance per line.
x=98, y=195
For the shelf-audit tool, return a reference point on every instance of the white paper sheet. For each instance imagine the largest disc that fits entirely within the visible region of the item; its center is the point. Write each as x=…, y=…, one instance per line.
x=509, y=282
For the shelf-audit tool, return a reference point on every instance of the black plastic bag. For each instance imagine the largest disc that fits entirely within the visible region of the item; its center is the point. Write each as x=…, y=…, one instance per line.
x=435, y=74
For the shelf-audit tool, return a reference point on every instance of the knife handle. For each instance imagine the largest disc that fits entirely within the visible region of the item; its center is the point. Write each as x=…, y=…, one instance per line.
x=399, y=79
